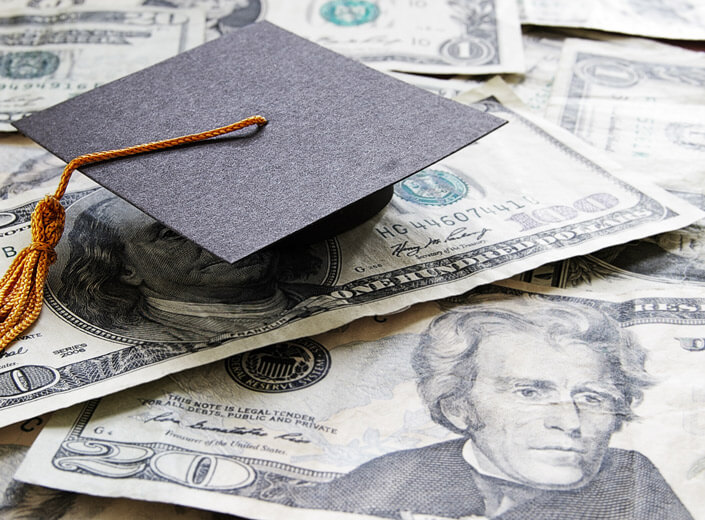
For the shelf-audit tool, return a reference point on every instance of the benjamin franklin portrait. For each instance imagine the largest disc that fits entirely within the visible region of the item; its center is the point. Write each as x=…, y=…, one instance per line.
x=121, y=271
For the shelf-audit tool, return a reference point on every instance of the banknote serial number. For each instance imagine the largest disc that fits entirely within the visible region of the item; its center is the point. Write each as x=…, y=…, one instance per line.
x=48, y=85
x=457, y=218
x=527, y=214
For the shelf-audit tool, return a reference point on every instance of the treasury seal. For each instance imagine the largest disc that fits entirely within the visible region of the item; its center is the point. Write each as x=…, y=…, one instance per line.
x=283, y=367
x=431, y=187
x=28, y=64
x=348, y=13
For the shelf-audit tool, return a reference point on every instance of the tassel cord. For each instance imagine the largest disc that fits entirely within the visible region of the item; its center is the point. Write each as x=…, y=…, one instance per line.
x=22, y=286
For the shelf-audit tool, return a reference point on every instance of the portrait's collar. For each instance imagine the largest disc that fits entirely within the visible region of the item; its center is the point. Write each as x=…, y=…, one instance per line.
x=470, y=455
x=500, y=492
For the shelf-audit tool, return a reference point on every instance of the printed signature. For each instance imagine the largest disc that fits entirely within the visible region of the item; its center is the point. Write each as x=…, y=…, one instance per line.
x=405, y=248
x=203, y=425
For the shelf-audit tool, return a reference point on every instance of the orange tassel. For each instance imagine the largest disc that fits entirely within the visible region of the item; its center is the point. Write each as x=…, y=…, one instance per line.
x=22, y=287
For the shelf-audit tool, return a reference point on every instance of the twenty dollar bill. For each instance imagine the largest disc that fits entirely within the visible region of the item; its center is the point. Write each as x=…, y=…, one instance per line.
x=48, y=56
x=579, y=406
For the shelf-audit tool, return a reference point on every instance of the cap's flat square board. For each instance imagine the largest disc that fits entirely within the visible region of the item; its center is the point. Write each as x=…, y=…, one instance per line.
x=337, y=132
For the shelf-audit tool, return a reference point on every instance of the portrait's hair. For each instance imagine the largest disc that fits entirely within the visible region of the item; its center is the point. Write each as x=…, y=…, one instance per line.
x=91, y=284
x=445, y=360
x=92, y=279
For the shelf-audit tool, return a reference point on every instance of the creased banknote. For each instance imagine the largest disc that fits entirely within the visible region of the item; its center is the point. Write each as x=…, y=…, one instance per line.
x=113, y=320
x=671, y=19
x=441, y=37
x=20, y=501
x=222, y=16
x=448, y=88
x=507, y=403
x=26, y=166
x=48, y=56
x=667, y=261
x=542, y=53
x=645, y=107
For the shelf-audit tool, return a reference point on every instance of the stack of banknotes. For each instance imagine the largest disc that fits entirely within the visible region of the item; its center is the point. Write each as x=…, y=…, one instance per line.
x=520, y=334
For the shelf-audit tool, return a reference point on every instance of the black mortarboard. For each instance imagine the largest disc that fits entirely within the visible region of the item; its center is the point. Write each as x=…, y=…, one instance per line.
x=338, y=132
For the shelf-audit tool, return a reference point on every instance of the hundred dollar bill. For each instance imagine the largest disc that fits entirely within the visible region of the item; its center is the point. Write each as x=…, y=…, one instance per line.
x=644, y=107
x=666, y=261
x=671, y=19
x=509, y=403
x=51, y=55
x=441, y=37
x=26, y=166
x=20, y=501
x=129, y=301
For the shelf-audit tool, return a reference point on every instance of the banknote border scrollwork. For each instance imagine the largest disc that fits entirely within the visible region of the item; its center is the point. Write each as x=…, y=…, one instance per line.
x=478, y=18
x=589, y=265
x=93, y=16
x=628, y=313
x=93, y=370
x=103, y=458
x=570, y=115
x=23, y=213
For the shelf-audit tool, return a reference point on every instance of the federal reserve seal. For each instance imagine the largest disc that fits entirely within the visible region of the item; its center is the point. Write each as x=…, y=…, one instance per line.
x=28, y=64
x=348, y=13
x=432, y=187
x=283, y=367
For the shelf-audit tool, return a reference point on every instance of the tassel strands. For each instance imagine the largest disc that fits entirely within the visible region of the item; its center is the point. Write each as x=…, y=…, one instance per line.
x=22, y=286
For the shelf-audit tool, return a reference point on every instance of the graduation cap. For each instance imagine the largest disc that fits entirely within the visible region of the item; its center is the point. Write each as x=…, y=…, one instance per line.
x=338, y=136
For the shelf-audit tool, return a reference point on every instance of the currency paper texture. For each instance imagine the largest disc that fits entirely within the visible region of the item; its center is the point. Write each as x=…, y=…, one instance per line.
x=485, y=213
x=49, y=56
x=440, y=37
x=542, y=55
x=448, y=88
x=20, y=501
x=667, y=261
x=26, y=166
x=644, y=106
x=579, y=406
x=671, y=19
x=222, y=16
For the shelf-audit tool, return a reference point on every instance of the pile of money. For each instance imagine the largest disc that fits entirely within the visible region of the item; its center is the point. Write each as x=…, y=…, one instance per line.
x=519, y=334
